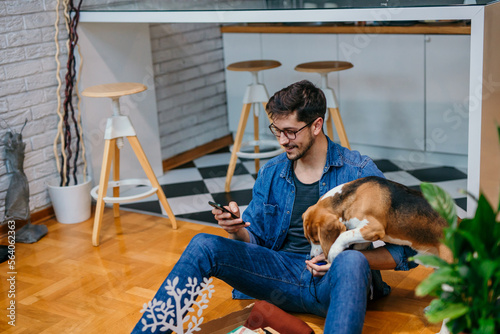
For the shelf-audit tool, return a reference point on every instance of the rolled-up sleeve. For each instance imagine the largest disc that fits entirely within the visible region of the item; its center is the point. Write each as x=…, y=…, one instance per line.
x=400, y=255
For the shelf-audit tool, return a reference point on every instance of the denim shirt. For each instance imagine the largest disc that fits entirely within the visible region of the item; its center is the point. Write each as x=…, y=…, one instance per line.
x=270, y=210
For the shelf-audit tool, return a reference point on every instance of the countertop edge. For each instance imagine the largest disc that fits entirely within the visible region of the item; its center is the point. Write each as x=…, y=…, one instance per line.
x=442, y=29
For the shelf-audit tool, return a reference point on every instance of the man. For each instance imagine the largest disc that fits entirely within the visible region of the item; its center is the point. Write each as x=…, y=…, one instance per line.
x=266, y=255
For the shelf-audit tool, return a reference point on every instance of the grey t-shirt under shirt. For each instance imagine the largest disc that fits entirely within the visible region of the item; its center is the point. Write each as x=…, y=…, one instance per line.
x=305, y=196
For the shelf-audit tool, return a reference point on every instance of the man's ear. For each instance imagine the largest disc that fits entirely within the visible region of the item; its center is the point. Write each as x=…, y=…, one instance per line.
x=318, y=126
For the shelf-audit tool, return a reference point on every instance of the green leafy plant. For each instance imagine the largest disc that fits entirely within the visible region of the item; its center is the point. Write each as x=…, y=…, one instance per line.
x=467, y=290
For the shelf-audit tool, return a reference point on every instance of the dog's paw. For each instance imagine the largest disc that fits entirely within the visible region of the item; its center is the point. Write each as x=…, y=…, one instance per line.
x=333, y=253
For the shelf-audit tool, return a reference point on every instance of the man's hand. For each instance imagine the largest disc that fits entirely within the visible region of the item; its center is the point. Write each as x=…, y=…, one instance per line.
x=317, y=270
x=235, y=227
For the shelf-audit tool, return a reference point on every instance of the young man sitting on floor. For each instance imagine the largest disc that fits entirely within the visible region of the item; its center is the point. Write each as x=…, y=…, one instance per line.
x=267, y=257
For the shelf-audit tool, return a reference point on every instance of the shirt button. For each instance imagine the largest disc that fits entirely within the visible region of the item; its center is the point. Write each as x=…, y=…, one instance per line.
x=324, y=184
x=288, y=212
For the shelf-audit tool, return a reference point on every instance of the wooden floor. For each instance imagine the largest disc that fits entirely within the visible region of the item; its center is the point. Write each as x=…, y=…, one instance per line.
x=65, y=285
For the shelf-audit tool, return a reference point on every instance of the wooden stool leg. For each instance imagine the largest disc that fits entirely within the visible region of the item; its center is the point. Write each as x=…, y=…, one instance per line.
x=109, y=144
x=339, y=126
x=237, y=144
x=116, y=177
x=256, y=148
x=143, y=160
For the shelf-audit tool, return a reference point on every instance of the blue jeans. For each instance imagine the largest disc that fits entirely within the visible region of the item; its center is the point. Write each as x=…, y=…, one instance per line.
x=280, y=278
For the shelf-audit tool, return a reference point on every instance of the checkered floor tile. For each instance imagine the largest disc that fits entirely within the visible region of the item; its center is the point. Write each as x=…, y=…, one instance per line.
x=190, y=187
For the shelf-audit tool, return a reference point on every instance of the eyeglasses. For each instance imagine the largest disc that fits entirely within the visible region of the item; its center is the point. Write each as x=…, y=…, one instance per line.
x=290, y=134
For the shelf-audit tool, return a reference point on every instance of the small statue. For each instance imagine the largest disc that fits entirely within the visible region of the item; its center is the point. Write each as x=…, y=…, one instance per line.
x=17, y=206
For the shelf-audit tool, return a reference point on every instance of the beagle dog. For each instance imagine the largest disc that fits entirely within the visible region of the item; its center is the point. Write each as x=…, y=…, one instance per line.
x=371, y=209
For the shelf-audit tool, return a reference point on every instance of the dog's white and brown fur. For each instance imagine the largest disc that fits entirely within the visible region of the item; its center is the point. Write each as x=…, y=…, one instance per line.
x=371, y=209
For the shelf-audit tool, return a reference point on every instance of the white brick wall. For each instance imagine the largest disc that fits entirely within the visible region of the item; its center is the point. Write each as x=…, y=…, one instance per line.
x=190, y=85
x=189, y=79
x=28, y=90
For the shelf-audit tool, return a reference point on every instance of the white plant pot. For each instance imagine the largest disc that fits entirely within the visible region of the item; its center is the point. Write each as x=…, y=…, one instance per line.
x=72, y=204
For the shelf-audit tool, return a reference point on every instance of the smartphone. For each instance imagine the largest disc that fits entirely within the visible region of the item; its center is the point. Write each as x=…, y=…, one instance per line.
x=220, y=207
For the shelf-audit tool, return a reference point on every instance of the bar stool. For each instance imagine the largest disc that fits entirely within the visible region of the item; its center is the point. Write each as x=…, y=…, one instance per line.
x=118, y=127
x=323, y=68
x=256, y=93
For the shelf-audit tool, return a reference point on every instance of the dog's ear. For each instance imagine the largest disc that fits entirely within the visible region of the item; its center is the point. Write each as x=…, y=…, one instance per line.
x=329, y=231
x=310, y=228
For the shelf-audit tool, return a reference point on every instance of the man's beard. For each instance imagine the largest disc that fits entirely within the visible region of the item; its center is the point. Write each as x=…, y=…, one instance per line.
x=300, y=153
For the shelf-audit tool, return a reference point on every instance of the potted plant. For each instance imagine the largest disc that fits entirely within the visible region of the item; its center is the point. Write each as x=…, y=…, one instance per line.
x=71, y=195
x=467, y=290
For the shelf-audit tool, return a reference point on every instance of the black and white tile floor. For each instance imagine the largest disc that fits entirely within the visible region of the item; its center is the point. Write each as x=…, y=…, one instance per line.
x=189, y=188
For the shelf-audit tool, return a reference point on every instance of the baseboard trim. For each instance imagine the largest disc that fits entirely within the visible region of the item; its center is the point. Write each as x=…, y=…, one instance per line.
x=197, y=152
x=42, y=214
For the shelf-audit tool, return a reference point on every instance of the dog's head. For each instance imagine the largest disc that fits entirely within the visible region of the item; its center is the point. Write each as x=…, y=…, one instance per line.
x=321, y=227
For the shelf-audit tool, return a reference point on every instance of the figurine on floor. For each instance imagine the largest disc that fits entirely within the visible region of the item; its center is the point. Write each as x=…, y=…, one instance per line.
x=17, y=206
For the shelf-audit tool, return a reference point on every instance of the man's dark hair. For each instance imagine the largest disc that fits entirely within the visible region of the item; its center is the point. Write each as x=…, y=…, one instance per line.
x=302, y=97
